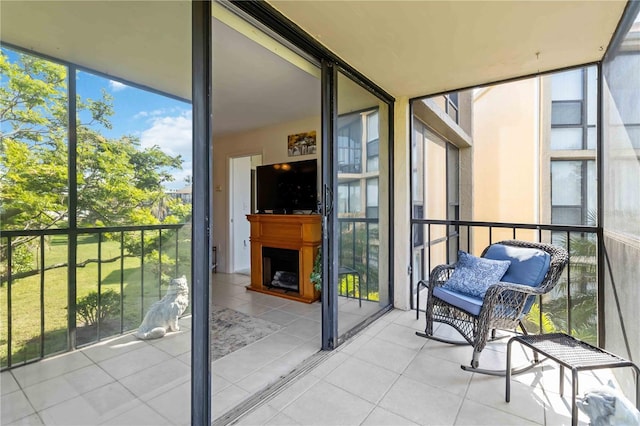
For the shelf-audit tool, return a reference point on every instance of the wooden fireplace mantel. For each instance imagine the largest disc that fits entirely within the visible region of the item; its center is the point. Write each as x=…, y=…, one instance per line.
x=301, y=232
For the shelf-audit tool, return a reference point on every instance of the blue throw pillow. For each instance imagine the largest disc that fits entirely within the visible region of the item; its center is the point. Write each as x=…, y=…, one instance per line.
x=473, y=275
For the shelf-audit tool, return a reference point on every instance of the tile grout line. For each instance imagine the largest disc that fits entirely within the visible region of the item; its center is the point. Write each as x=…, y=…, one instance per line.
x=401, y=374
x=302, y=344
x=37, y=412
x=258, y=399
x=21, y=390
x=464, y=398
x=116, y=380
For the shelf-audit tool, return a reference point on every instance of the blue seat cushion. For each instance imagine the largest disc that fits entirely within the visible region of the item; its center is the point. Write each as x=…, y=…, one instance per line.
x=473, y=275
x=528, y=265
x=466, y=303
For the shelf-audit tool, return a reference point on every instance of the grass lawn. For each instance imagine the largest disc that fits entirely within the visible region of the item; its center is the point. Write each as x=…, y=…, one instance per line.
x=26, y=296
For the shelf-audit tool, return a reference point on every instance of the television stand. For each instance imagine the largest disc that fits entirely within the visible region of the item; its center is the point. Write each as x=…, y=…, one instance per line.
x=299, y=232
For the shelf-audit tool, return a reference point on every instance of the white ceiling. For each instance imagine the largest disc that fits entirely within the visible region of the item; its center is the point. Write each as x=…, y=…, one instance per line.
x=149, y=43
x=254, y=87
x=409, y=48
x=145, y=42
x=414, y=48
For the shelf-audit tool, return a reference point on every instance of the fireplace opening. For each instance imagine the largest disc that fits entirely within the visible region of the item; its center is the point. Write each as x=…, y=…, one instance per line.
x=280, y=269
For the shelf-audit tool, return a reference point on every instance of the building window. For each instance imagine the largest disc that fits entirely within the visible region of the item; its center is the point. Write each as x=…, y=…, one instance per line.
x=573, y=192
x=435, y=195
x=350, y=144
x=574, y=109
x=358, y=138
x=373, y=142
x=573, y=128
x=372, y=198
x=349, y=197
x=418, y=231
x=358, y=131
x=435, y=174
x=453, y=182
x=451, y=106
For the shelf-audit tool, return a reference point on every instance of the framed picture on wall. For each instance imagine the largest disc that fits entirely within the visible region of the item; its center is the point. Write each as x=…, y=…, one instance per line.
x=301, y=143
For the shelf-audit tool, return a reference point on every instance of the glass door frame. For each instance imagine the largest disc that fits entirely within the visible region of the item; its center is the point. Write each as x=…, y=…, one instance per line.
x=202, y=208
x=331, y=337
x=292, y=35
x=329, y=118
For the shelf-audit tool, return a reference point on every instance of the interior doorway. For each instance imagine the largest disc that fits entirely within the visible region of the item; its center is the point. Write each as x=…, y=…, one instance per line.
x=242, y=202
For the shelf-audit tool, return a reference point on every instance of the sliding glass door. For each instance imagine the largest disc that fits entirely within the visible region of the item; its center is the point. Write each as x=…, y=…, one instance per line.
x=357, y=188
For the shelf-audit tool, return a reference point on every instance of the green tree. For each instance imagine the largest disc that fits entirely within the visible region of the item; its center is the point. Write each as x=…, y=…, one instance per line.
x=584, y=282
x=33, y=165
x=118, y=182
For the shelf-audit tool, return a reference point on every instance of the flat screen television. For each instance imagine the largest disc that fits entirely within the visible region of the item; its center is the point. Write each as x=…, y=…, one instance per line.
x=287, y=188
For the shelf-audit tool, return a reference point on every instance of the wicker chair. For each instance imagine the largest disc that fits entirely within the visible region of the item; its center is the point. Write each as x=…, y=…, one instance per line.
x=503, y=306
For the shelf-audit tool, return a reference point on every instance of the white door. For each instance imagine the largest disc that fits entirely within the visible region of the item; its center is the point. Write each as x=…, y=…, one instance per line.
x=240, y=208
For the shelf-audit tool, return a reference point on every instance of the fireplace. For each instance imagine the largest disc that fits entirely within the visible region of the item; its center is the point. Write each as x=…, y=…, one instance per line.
x=280, y=269
x=283, y=249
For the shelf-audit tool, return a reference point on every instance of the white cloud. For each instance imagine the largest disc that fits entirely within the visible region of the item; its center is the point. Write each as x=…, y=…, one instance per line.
x=172, y=134
x=116, y=86
x=155, y=113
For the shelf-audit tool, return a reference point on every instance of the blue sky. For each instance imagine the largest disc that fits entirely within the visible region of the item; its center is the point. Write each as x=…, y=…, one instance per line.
x=153, y=118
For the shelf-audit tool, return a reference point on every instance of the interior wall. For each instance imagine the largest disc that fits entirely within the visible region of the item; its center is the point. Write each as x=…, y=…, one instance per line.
x=271, y=142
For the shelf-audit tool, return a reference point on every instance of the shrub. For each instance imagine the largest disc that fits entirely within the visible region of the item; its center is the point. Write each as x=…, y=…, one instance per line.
x=87, y=306
x=23, y=260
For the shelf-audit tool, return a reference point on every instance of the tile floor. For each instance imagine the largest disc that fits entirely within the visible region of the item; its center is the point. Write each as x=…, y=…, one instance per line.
x=386, y=375
x=124, y=381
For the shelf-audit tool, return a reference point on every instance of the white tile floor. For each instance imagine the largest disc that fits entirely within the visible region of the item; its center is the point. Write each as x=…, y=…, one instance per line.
x=386, y=375
x=127, y=381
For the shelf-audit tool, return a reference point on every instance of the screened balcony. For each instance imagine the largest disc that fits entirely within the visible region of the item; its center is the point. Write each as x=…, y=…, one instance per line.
x=384, y=374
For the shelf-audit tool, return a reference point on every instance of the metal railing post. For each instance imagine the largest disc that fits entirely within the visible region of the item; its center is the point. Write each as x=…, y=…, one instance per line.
x=72, y=241
x=160, y=264
x=121, y=281
x=141, y=274
x=569, y=283
x=9, y=304
x=42, y=316
x=177, y=259
x=99, y=308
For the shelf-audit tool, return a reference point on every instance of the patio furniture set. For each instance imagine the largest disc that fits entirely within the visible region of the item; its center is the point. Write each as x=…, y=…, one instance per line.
x=479, y=295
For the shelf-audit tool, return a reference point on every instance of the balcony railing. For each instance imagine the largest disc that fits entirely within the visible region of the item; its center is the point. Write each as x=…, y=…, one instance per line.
x=136, y=261
x=124, y=268
x=358, y=258
x=571, y=307
x=52, y=307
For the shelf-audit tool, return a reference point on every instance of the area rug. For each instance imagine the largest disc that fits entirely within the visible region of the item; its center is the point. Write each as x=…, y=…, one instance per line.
x=232, y=330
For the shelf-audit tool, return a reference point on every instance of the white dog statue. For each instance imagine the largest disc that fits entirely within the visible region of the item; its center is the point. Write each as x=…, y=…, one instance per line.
x=163, y=315
x=607, y=406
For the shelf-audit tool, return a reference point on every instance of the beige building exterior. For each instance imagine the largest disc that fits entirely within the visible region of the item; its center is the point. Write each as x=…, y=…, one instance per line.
x=534, y=151
x=506, y=156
